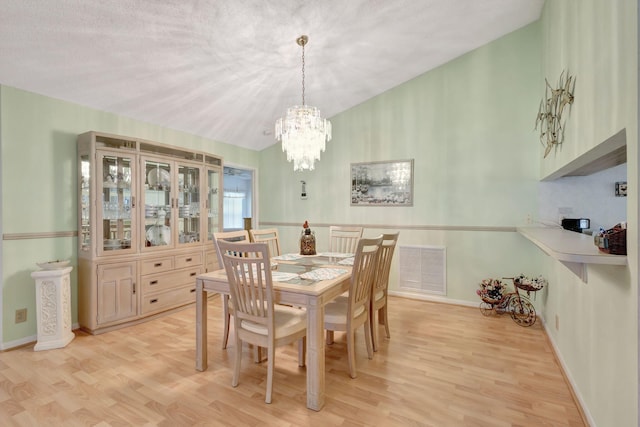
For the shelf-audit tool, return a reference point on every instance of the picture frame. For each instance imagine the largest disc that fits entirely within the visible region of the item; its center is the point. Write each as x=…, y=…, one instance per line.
x=384, y=183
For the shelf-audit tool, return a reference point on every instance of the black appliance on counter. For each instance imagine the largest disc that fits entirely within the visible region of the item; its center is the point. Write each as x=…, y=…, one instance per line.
x=576, y=224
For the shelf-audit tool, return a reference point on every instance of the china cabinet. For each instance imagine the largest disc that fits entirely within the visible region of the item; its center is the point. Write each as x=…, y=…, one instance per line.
x=147, y=213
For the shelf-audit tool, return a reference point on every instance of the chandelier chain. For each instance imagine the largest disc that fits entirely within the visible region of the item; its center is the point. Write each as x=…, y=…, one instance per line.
x=303, y=75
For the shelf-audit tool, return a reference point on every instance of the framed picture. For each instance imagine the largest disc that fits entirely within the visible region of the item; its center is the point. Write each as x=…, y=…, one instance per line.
x=388, y=183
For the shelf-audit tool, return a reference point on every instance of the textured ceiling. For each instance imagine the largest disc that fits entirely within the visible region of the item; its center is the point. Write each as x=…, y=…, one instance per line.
x=226, y=70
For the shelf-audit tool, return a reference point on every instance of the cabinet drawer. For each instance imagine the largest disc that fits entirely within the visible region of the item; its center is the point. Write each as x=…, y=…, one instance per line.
x=168, y=299
x=188, y=260
x=156, y=265
x=173, y=279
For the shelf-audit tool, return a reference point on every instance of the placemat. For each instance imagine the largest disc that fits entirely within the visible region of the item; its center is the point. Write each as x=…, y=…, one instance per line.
x=335, y=254
x=287, y=257
x=281, y=276
x=323, y=274
x=347, y=261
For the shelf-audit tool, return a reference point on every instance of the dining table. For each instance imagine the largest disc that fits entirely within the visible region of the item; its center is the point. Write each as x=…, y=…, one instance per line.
x=309, y=281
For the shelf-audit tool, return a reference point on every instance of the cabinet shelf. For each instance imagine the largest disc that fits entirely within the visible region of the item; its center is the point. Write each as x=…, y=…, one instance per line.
x=574, y=250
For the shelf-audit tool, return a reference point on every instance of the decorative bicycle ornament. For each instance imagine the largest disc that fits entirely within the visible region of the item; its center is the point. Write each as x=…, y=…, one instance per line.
x=496, y=299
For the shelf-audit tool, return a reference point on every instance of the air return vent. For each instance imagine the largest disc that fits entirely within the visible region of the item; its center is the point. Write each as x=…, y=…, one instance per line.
x=423, y=269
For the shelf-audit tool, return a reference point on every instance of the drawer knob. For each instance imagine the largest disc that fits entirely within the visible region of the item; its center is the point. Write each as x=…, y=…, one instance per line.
x=153, y=301
x=153, y=282
x=157, y=264
x=188, y=260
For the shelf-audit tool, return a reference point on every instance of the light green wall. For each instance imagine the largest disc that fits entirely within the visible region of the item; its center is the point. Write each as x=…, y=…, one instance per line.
x=468, y=125
x=597, y=338
x=38, y=152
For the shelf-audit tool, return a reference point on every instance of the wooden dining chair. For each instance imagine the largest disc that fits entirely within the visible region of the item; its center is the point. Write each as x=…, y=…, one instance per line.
x=269, y=236
x=256, y=319
x=229, y=236
x=344, y=239
x=380, y=287
x=347, y=313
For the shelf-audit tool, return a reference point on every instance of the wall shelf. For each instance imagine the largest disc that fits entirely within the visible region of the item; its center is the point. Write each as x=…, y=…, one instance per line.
x=609, y=153
x=574, y=250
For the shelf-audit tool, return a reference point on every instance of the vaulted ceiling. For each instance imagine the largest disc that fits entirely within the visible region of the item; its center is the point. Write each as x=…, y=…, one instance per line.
x=226, y=70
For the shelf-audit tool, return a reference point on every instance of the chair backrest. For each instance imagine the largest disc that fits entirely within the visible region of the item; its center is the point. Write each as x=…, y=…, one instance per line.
x=249, y=273
x=270, y=237
x=229, y=236
x=383, y=265
x=344, y=239
x=364, y=265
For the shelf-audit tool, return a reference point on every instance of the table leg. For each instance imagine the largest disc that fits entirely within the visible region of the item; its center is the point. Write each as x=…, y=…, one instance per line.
x=315, y=355
x=201, y=326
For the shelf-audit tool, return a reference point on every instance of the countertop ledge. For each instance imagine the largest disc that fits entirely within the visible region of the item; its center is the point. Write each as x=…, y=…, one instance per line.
x=569, y=246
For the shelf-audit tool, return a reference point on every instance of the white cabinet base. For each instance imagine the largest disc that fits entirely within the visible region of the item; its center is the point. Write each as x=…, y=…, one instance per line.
x=53, y=308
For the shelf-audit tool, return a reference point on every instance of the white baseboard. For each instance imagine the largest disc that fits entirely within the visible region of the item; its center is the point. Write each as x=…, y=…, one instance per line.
x=434, y=298
x=567, y=374
x=26, y=340
x=17, y=343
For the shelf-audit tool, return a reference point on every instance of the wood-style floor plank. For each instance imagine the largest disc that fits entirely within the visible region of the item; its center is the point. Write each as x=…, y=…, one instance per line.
x=444, y=365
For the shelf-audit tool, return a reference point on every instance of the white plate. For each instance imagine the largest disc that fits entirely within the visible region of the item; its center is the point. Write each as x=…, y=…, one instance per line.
x=159, y=235
x=158, y=176
x=53, y=265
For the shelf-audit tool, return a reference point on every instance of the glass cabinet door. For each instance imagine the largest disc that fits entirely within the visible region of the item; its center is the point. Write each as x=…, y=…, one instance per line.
x=116, y=224
x=188, y=204
x=85, y=203
x=213, y=202
x=157, y=203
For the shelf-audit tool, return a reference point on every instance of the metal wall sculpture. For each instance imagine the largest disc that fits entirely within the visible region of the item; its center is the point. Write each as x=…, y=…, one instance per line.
x=549, y=116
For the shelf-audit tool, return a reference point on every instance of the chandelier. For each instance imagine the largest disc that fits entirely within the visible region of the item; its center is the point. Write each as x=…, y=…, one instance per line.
x=303, y=131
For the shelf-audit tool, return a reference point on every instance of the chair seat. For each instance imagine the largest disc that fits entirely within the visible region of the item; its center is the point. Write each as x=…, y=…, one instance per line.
x=336, y=311
x=378, y=296
x=288, y=321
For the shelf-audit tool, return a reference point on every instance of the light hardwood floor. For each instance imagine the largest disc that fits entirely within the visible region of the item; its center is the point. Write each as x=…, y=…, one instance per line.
x=444, y=365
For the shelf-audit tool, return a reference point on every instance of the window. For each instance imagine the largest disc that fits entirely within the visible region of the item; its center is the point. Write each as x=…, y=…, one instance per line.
x=238, y=196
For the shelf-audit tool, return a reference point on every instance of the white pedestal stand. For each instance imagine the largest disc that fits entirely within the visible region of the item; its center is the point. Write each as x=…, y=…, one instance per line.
x=53, y=308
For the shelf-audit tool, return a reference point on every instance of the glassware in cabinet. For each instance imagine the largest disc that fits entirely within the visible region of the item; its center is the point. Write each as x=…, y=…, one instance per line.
x=85, y=204
x=158, y=203
x=116, y=201
x=189, y=221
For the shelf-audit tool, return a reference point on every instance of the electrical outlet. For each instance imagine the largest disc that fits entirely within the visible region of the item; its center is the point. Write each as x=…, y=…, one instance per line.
x=564, y=213
x=21, y=315
x=557, y=322
x=528, y=219
x=621, y=189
